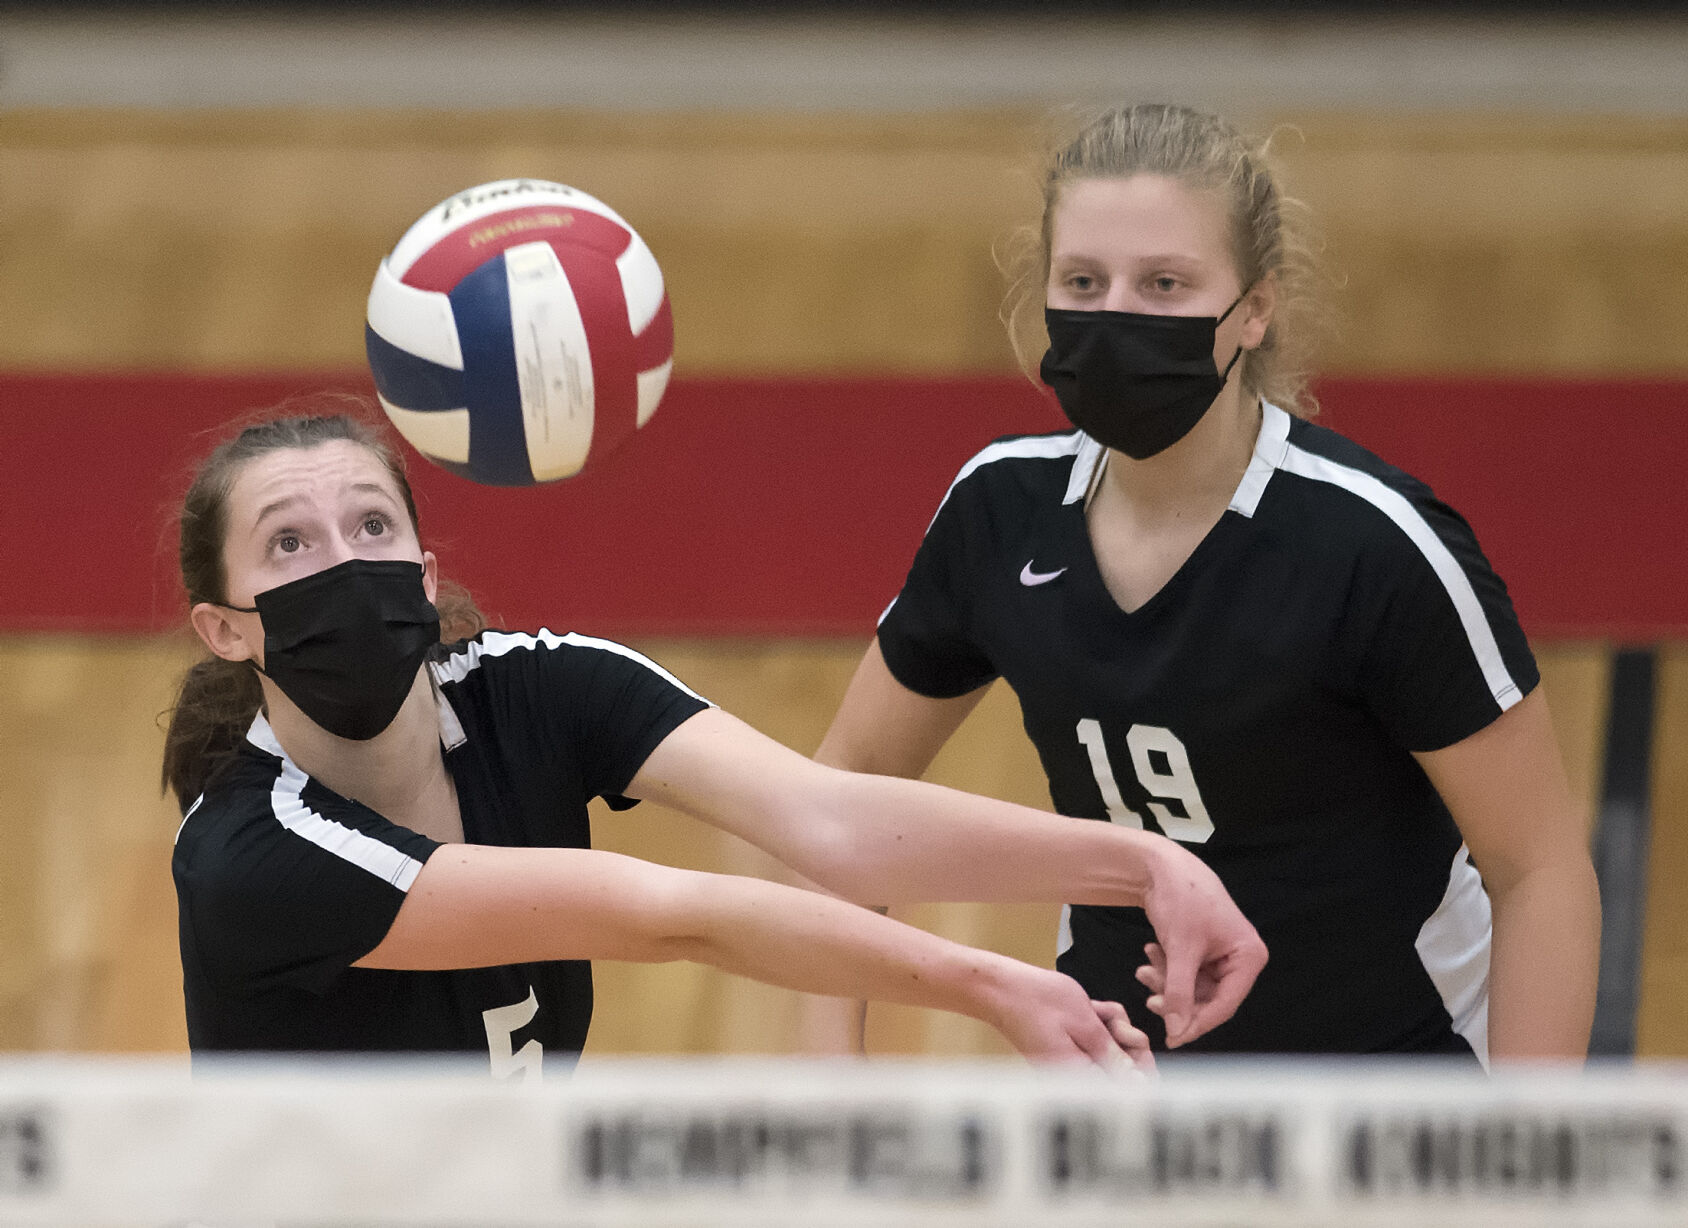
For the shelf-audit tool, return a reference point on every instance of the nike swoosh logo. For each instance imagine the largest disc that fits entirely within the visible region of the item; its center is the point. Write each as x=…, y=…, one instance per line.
x=1031, y=578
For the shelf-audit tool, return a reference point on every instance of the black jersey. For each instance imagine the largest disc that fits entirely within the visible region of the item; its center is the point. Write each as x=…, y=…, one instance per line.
x=1261, y=708
x=282, y=883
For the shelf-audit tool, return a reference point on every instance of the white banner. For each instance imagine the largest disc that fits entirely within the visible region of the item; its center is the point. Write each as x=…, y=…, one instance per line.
x=817, y=1143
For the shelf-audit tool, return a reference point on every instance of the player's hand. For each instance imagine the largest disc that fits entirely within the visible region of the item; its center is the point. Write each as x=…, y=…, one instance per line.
x=1207, y=954
x=1132, y=1040
x=1047, y=1017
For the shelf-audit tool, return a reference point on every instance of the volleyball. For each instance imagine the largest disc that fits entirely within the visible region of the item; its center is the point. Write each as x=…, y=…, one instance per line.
x=519, y=332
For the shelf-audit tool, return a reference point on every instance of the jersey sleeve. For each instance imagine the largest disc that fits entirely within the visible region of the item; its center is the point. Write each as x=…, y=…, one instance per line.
x=925, y=634
x=594, y=705
x=292, y=887
x=630, y=705
x=1439, y=648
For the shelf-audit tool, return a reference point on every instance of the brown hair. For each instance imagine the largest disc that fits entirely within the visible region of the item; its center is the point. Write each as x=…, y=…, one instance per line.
x=218, y=698
x=1271, y=234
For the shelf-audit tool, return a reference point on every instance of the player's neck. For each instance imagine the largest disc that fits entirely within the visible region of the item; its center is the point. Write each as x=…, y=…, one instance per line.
x=1198, y=473
x=387, y=772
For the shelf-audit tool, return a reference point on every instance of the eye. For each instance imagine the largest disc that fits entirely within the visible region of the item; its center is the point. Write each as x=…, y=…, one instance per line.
x=377, y=522
x=288, y=543
x=1081, y=283
x=1166, y=283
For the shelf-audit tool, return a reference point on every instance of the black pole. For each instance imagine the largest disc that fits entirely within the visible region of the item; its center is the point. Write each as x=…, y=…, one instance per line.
x=1621, y=838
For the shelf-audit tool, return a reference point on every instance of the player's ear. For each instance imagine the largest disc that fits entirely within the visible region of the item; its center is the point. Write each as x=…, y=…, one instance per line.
x=430, y=574
x=1258, y=305
x=219, y=632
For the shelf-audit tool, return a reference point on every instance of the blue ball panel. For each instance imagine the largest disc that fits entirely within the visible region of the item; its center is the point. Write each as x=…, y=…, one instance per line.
x=470, y=472
x=410, y=382
x=497, y=435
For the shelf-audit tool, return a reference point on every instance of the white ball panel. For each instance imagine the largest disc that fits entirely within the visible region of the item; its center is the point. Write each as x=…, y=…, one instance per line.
x=652, y=384
x=419, y=322
x=553, y=361
x=641, y=282
x=440, y=433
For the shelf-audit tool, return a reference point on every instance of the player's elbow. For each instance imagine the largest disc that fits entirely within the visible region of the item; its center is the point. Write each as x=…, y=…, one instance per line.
x=841, y=857
x=821, y=832
x=669, y=919
x=1543, y=865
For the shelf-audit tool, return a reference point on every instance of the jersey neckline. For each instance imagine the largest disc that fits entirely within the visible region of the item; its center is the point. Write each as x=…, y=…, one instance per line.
x=1270, y=443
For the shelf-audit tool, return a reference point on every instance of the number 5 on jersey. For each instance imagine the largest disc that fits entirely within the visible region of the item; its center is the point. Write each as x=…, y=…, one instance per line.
x=501, y=1025
x=1176, y=782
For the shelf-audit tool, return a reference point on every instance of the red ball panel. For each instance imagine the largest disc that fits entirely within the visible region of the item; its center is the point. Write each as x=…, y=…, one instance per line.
x=598, y=294
x=655, y=345
x=465, y=249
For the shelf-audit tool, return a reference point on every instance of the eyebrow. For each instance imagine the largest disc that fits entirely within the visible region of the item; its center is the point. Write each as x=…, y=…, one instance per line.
x=270, y=508
x=1162, y=258
x=282, y=504
x=375, y=488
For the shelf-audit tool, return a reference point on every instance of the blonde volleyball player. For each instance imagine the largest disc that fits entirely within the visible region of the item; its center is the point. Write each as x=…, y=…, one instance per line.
x=1234, y=627
x=385, y=843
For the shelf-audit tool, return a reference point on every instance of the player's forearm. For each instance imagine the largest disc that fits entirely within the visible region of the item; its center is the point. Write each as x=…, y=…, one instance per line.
x=475, y=906
x=1545, y=962
x=819, y=945
x=890, y=841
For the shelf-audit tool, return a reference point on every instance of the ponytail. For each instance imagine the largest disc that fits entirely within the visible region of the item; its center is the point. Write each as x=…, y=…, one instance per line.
x=213, y=710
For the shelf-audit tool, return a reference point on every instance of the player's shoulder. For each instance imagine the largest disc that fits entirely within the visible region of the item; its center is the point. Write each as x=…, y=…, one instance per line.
x=262, y=816
x=1340, y=455
x=1025, y=469
x=233, y=820
x=1331, y=489
x=239, y=789
x=494, y=651
x=497, y=660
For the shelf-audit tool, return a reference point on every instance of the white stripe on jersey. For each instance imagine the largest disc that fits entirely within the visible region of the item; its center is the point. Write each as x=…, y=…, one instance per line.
x=1090, y=454
x=1406, y=517
x=1453, y=945
x=459, y=665
x=1045, y=446
x=365, y=852
x=1269, y=447
x=188, y=814
x=1050, y=447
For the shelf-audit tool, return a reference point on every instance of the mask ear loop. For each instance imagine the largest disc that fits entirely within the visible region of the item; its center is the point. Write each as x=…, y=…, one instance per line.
x=242, y=609
x=1233, y=305
x=1226, y=373
x=238, y=609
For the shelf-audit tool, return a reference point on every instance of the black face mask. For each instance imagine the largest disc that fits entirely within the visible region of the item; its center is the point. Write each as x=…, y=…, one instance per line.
x=344, y=644
x=1134, y=383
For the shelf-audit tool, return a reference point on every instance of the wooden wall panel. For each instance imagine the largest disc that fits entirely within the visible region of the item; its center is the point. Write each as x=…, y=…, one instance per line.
x=817, y=243
x=249, y=241
x=1577, y=679
x=87, y=912
x=87, y=926
x=1524, y=245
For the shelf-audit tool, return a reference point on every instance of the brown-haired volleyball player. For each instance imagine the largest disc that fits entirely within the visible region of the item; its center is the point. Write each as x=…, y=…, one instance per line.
x=385, y=841
x=1242, y=630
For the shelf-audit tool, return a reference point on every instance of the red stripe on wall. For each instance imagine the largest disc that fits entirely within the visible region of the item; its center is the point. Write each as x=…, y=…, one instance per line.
x=793, y=506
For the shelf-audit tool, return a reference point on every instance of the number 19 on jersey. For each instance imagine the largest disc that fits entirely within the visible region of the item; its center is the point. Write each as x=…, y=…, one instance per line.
x=1175, y=781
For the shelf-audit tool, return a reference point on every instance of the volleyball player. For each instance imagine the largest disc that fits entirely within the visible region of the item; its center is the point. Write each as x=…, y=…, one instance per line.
x=385, y=843
x=1232, y=626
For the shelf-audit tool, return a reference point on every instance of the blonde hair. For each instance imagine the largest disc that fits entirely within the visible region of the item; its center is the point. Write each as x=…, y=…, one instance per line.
x=1271, y=234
